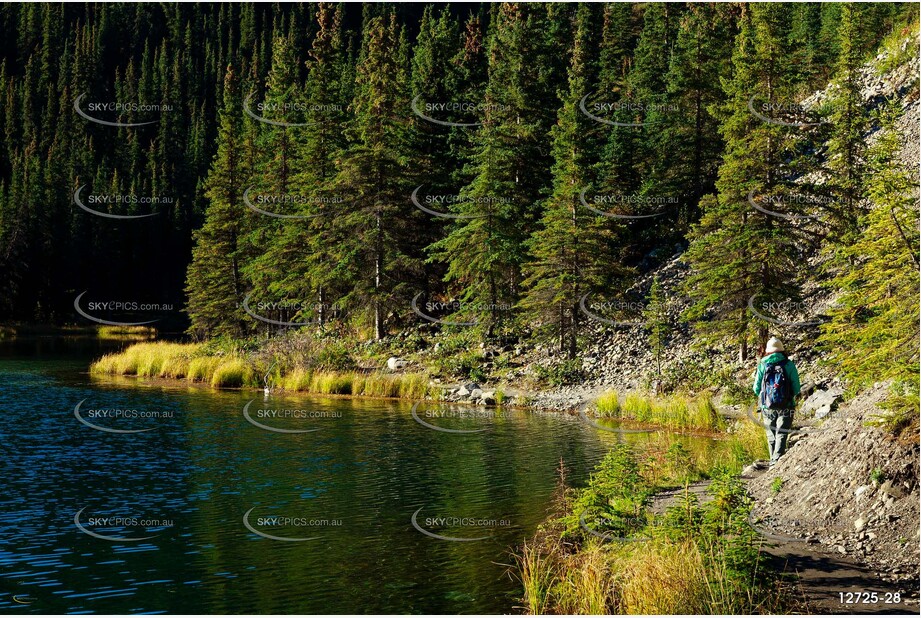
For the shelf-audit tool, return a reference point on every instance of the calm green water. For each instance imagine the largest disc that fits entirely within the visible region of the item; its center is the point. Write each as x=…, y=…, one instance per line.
x=350, y=486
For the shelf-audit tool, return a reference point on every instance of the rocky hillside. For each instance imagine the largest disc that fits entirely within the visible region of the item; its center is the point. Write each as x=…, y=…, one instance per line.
x=619, y=356
x=850, y=487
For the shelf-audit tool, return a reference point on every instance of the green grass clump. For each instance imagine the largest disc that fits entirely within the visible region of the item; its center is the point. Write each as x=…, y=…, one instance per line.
x=637, y=407
x=776, y=485
x=154, y=359
x=201, y=368
x=233, y=373
x=224, y=366
x=296, y=380
x=126, y=333
x=608, y=405
x=331, y=383
x=676, y=411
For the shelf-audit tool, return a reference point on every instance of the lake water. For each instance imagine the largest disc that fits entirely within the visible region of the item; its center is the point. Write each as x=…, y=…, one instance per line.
x=178, y=515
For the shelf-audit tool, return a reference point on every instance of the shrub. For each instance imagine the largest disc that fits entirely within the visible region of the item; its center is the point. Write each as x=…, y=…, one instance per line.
x=776, y=485
x=334, y=357
x=561, y=373
x=696, y=559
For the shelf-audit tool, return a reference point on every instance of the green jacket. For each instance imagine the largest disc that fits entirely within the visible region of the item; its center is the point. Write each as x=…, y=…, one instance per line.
x=789, y=368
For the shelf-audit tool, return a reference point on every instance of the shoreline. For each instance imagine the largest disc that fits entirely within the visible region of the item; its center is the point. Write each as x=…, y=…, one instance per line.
x=533, y=396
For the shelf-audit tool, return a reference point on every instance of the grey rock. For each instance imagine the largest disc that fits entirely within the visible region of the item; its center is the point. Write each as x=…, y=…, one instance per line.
x=820, y=399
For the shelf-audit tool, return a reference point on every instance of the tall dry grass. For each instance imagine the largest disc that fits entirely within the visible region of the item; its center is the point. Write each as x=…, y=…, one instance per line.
x=186, y=361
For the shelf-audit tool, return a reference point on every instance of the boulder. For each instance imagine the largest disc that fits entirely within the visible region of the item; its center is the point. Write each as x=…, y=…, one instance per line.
x=820, y=400
x=394, y=363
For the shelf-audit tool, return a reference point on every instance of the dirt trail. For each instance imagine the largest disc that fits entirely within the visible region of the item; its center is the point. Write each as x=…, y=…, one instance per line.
x=821, y=578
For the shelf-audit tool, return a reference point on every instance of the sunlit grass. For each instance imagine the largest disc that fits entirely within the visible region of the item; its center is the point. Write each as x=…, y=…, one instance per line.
x=675, y=412
x=127, y=333
x=608, y=404
x=147, y=360
x=680, y=564
x=230, y=370
x=234, y=373
x=660, y=576
x=201, y=368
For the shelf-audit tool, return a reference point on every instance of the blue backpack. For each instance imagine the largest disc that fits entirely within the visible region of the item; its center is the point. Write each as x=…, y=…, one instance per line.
x=776, y=393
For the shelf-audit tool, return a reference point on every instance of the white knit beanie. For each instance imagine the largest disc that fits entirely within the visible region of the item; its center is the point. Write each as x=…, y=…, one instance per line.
x=773, y=345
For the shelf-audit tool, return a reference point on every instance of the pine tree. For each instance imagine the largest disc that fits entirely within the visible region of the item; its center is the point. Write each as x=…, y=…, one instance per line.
x=298, y=261
x=573, y=251
x=372, y=230
x=657, y=323
x=215, y=284
x=275, y=166
x=485, y=249
x=686, y=144
x=738, y=254
x=873, y=334
x=850, y=124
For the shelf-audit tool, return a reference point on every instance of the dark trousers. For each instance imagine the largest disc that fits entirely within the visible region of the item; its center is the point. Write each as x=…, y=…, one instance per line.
x=777, y=425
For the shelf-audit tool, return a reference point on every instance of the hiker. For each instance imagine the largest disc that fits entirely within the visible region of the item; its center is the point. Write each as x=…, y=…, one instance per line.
x=777, y=387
